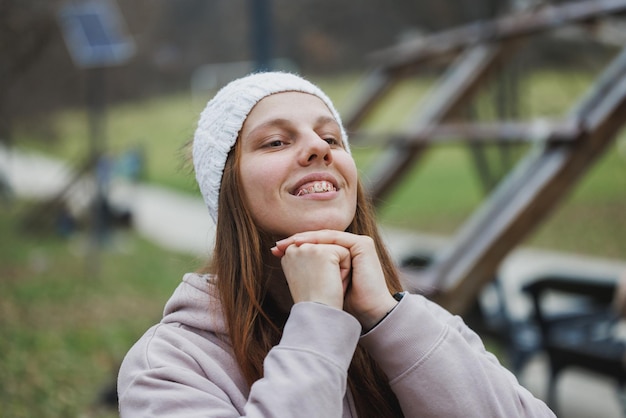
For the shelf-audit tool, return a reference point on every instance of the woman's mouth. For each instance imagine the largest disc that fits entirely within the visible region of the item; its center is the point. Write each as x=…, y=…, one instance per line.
x=316, y=187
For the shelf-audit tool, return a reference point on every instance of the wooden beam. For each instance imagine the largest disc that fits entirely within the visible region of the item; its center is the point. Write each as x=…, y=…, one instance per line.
x=475, y=132
x=506, y=28
x=377, y=84
x=529, y=194
x=538, y=183
x=457, y=87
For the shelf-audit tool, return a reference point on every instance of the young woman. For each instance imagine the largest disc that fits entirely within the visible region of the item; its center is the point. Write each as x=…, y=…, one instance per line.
x=300, y=312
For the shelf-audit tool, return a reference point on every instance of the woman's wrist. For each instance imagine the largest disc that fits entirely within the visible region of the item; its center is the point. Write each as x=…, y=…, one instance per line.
x=370, y=321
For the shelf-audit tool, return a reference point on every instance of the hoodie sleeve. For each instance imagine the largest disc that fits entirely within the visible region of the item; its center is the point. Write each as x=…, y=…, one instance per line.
x=174, y=373
x=306, y=374
x=438, y=367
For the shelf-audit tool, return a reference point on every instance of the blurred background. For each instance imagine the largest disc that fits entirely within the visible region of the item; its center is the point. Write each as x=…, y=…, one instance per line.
x=100, y=215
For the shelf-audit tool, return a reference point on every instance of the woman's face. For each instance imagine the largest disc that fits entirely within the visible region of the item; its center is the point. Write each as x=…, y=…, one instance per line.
x=296, y=174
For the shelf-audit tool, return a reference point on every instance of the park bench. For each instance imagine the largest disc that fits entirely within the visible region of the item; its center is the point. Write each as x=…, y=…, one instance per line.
x=579, y=326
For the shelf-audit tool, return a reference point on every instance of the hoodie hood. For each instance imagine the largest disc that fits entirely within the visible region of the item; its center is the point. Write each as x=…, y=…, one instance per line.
x=195, y=304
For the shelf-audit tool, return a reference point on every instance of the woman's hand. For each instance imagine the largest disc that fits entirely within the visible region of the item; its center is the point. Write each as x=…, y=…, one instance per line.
x=317, y=273
x=367, y=297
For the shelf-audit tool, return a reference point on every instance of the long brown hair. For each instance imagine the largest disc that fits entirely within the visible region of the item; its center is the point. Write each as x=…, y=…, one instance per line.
x=240, y=261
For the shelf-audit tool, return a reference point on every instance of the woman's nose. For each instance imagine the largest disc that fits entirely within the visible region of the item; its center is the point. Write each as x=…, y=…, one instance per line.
x=316, y=149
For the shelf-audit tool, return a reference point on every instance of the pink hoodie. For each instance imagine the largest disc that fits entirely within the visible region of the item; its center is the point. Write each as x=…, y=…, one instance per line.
x=437, y=366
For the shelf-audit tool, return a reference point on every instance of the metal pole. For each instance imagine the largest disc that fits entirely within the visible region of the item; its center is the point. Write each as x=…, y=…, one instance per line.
x=96, y=115
x=261, y=36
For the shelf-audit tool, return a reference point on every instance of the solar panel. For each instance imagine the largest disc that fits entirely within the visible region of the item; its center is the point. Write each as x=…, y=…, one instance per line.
x=94, y=34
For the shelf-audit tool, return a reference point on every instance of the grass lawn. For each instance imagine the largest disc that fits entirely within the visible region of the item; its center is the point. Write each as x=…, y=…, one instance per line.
x=591, y=220
x=64, y=329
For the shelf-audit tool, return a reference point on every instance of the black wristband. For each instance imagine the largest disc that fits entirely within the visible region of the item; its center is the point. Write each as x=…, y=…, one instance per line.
x=397, y=296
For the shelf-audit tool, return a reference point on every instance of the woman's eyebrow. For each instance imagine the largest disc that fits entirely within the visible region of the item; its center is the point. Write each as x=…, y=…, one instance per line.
x=325, y=120
x=279, y=123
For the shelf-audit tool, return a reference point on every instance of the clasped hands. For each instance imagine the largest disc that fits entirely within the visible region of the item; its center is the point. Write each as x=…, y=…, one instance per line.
x=338, y=269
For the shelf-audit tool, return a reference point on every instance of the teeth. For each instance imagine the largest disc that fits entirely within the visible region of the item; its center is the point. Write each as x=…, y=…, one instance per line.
x=317, y=187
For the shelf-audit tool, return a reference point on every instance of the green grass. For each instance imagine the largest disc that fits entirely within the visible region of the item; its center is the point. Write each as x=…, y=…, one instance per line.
x=66, y=322
x=160, y=127
x=444, y=191
x=592, y=220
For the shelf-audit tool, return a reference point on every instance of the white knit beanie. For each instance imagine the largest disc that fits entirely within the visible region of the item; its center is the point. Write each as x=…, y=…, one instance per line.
x=224, y=115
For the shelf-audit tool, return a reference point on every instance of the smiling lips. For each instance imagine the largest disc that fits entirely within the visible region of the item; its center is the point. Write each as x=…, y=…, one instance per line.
x=316, y=187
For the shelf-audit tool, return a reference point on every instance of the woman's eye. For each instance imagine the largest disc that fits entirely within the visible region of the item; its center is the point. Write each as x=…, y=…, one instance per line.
x=276, y=143
x=331, y=141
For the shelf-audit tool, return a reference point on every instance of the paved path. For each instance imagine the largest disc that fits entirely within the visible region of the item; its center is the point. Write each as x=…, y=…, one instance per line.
x=181, y=223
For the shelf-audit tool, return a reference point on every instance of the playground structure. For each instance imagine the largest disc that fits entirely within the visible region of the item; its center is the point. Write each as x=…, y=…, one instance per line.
x=563, y=151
